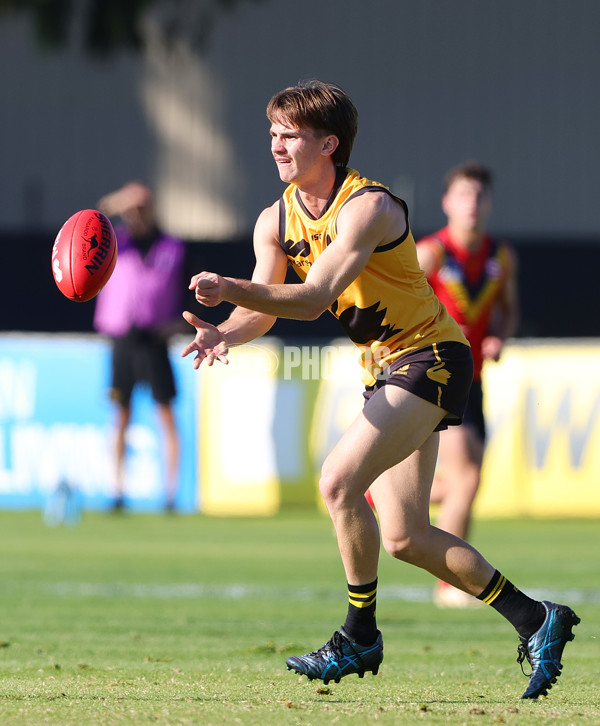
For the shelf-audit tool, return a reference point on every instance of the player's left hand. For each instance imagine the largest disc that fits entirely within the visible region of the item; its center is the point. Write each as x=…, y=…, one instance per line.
x=209, y=288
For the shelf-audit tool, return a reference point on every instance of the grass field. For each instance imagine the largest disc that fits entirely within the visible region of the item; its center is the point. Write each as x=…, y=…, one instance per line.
x=139, y=619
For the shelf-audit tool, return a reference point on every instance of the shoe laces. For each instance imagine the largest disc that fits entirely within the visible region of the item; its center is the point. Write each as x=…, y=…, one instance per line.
x=334, y=644
x=523, y=655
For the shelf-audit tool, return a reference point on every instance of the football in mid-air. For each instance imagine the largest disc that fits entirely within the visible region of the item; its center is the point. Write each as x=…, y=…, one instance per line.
x=84, y=255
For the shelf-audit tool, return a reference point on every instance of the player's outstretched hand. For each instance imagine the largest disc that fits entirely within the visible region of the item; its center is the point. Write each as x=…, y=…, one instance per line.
x=209, y=288
x=209, y=343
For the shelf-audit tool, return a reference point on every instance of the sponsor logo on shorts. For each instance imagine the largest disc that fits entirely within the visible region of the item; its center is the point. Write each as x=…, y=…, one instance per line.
x=401, y=371
x=439, y=373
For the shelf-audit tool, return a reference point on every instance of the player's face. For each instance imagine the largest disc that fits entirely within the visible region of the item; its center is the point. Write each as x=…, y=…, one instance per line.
x=298, y=153
x=467, y=204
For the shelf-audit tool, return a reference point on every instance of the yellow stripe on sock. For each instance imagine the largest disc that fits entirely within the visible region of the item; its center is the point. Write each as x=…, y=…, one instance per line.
x=361, y=603
x=362, y=599
x=496, y=591
x=362, y=594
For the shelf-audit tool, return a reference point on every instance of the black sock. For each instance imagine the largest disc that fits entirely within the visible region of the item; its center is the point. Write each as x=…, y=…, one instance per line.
x=360, y=623
x=525, y=614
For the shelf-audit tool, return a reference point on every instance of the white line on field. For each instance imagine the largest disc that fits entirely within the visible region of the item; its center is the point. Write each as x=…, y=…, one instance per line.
x=240, y=591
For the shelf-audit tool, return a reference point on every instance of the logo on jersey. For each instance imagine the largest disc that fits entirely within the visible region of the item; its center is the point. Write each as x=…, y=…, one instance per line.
x=301, y=248
x=364, y=325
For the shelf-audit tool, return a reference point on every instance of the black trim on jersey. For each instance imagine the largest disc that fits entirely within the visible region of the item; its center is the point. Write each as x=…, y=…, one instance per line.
x=340, y=177
x=400, y=240
x=292, y=249
x=396, y=242
x=282, y=223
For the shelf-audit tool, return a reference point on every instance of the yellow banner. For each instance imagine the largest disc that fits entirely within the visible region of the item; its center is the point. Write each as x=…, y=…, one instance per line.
x=269, y=418
x=542, y=405
x=236, y=454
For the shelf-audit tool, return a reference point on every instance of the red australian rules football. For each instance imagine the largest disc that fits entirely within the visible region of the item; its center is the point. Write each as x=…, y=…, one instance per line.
x=84, y=255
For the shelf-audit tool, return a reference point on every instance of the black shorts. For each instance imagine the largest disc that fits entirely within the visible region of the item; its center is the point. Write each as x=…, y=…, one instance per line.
x=141, y=356
x=440, y=373
x=474, y=411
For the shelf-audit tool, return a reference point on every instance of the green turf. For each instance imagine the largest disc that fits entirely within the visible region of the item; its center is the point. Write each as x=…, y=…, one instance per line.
x=188, y=620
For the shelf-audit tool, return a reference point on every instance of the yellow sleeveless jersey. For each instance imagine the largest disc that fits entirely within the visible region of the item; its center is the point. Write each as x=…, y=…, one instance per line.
x=390, y=308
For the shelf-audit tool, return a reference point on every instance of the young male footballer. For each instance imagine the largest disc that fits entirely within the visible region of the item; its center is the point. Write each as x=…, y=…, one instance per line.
x=474, y=277
x=349, y=240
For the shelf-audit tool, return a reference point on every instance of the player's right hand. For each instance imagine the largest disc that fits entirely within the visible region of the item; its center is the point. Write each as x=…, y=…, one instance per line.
x=208, y=344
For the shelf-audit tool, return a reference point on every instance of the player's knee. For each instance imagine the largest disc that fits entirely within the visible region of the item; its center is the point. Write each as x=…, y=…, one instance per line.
x=409, y=548
x=331, y=486
x=336, y=485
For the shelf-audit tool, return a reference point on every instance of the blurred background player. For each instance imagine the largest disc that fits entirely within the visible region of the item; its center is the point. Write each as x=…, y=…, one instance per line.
x=139, y=309
x=474, y=276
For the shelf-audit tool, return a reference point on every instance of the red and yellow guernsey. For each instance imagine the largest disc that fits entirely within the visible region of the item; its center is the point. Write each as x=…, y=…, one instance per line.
x=469, y=284
x=390, y=308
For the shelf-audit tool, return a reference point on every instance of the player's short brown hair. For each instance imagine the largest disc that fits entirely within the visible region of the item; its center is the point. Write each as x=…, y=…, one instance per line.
x=470, y=170
x=323, y=107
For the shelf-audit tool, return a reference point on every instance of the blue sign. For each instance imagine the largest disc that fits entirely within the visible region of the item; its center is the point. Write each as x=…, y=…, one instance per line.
x=56, y=427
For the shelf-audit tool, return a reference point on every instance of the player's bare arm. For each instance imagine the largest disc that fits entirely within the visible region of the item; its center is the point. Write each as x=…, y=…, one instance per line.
x=429, y=254
x=364, y=223
x=509, y=298
x=213, y=342
x=505, y=315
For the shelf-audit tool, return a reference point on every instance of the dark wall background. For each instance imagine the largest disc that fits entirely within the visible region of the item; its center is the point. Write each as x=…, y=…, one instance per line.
x=558, y=285
x=512, y=83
